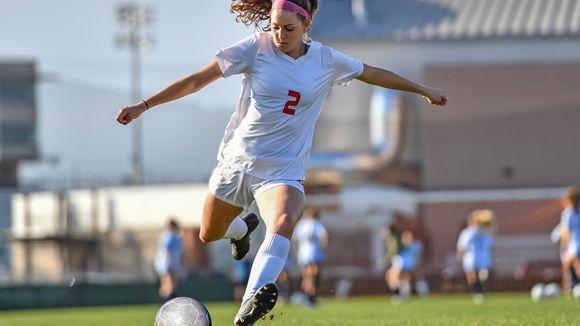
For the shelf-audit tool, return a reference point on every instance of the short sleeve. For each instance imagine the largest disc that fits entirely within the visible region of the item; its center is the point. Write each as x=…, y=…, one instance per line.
x=463, y=241
x=345, y=68
x=297, y=235
x=565, y=219
x=239, y=57
x=164, y=240
x=556, y=233
x=320, y=230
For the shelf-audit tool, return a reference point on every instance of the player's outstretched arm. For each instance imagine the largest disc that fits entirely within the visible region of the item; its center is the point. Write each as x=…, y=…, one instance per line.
x=177, y=89
x=384, y=78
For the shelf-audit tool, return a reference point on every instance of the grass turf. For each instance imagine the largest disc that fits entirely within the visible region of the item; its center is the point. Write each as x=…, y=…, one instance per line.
x=498, y=309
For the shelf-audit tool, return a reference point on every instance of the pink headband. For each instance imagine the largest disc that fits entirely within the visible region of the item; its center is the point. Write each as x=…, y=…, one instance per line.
x=290, y=6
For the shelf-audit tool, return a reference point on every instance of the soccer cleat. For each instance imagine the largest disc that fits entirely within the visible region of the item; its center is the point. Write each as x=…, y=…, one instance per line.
x=241, y=247
x=257, y=306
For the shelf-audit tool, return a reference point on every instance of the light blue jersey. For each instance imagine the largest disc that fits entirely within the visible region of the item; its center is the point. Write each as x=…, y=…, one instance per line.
x=309, y=234
x=409, y=257
x=476, y=245
x=571, y=221
x=169, y=251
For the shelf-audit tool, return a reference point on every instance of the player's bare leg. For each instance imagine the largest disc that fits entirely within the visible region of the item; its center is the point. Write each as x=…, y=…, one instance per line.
x=393, y=278
x=217, y=217
x=281, y=207
x=475, y=285
x=310, y=282
x=168, y=284
x=221, y=221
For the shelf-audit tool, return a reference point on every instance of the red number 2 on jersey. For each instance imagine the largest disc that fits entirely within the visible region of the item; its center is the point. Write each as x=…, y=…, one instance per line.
x=291, y=103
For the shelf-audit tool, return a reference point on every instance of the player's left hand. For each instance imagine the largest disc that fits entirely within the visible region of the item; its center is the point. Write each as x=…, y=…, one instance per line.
x=435, y=96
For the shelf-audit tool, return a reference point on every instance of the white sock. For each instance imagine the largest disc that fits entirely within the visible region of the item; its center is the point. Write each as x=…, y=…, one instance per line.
x=237, y=229
x=404, y=289
x=422, y=287
x=268, y=263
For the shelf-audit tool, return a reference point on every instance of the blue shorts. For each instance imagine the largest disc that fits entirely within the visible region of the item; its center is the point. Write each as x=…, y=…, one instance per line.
x=163, y=269
x=406, y=265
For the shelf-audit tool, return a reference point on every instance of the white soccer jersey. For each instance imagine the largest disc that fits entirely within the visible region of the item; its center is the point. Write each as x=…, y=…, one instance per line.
x=270, y=133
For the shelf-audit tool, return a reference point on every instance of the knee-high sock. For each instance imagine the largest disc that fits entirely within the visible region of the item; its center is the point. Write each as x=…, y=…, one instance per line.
x=574, y=280
x=404, y=289
x=476, y=287
x=269, y=262
x=237, y=229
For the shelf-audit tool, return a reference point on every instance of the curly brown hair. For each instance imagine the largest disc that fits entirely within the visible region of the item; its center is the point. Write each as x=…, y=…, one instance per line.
x=257, y=12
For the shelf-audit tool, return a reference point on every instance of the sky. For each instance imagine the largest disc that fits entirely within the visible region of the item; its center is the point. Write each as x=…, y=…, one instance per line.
x=85, y=78
x=74, y=40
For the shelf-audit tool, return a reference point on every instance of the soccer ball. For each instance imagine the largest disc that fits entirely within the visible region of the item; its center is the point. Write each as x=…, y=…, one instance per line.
x=183, y=311
x=537, y=292
x=552, y=291
x=576, y=292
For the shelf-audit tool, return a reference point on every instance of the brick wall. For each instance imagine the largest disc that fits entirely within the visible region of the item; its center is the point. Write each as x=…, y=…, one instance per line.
x=505, y=127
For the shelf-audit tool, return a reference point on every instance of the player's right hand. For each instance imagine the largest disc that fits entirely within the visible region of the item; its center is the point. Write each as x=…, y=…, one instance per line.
x=129, y=113
x=435, y=96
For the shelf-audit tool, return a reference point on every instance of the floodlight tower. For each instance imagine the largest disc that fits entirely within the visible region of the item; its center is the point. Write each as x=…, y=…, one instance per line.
x=133, y=18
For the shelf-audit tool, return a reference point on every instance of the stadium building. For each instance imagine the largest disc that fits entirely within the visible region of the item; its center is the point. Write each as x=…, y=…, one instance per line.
x=505, y=140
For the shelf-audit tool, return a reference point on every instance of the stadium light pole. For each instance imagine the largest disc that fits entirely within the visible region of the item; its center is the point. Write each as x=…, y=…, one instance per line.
x=133, y=18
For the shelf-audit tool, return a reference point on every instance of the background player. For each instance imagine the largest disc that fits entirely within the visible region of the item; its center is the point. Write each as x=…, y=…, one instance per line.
x=570, y=235
x=474, y=250
x=168, y=260
x=312, y=240
x=400, y=274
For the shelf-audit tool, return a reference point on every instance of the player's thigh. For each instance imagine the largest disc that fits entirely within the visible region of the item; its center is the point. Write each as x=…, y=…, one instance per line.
x=281, y=207
x=405, y=275
x=217, y=216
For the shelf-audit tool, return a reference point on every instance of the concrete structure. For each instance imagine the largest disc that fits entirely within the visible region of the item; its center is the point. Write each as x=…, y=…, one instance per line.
x=17, y=118
x=509, y=68
x=108, y=233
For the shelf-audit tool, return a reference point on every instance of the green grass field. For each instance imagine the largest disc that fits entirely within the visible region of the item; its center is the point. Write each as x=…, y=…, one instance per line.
x=498, y=309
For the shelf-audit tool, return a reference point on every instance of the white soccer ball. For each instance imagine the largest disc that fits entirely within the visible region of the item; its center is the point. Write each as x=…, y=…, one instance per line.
x=552, y=291
x=537, y=292
x=576, y=292
x=183, y=311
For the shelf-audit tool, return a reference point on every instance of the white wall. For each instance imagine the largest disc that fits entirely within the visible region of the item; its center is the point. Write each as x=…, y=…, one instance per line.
x=134, y=208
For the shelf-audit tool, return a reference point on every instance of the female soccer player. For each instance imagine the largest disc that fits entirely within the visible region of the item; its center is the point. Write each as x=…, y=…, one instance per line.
x=570, y=236
x=312, y=239
x=268, y=139
x=168, y=260
x=474, y=250
x=404, y=266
